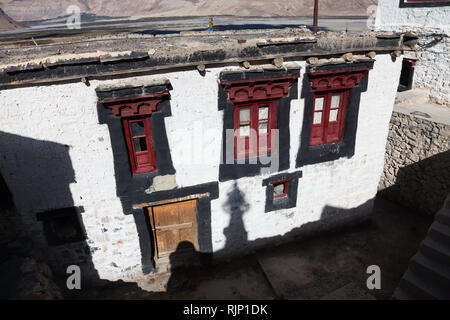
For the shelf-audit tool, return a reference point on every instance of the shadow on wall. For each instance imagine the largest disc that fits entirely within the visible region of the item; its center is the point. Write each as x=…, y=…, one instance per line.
x=235, y=206
x=332, y=219
x=236, y=236
x=423, y=185
x=37, y=174
x=6, y=201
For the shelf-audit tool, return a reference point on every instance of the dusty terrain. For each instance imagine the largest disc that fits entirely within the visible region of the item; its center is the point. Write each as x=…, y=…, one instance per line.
x=26, y=10
x=6, y=23
x=330, y=266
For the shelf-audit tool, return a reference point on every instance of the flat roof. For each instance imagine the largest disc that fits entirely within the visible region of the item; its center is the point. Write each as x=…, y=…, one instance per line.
x=126, y=53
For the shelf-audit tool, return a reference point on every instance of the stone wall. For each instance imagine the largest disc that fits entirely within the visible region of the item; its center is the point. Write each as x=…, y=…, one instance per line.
x=417, y=163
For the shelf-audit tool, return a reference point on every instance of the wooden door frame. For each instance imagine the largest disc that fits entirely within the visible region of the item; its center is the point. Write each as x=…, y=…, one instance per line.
x=150, y=213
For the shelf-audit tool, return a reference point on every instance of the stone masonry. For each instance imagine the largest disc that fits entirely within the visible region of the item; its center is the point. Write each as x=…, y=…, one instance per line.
x=417, y=163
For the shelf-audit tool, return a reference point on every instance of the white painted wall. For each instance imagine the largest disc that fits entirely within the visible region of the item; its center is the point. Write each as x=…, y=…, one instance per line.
x=390, y=17
x=433, y=70
x=66, y=114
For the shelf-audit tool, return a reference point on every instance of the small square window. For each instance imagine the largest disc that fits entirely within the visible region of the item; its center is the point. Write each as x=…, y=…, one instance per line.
x=140, y=144
x=264, y=112
x=61, y=226
x=333, y=115
x=262, y=127
x=319, y=103
x=137, y=128
x=335, y=101
x=317, y=118
x=280, y=189
x=244, y=130
x=244, y=114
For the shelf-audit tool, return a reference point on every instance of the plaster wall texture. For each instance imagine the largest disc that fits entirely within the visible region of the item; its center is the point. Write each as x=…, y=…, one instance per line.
x=66, y=115
x=433, y=69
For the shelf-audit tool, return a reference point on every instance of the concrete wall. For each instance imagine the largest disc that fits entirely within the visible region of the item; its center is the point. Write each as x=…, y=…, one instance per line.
x=58, y=126
x=433, y=69
x=417, y=169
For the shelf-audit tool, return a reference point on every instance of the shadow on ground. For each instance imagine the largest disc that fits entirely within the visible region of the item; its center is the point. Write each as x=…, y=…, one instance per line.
x=228, y=27
x=388, y=240
x=323, y=263
x=423, y=185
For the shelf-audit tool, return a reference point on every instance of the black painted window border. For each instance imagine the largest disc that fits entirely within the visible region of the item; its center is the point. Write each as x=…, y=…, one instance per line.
x=290, y=200
x=346, y=147
x=405, y=4
x=53, y=217
x=238, y=170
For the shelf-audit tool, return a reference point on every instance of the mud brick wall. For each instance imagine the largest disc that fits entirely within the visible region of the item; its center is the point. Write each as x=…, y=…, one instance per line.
x=417, y=163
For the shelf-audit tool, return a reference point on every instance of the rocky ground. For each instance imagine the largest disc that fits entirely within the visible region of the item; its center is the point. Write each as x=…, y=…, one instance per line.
x=24, y=274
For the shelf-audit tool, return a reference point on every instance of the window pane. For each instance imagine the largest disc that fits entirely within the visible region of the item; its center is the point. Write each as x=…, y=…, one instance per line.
x=278, y=189
x=244, y=130
x=264, y=112
x=318, y=104
x=317, y=118
x=335, y=101
x=140, y=144
x=262, y=127
x=333, y=115
x=137, y=128
x=244, y=114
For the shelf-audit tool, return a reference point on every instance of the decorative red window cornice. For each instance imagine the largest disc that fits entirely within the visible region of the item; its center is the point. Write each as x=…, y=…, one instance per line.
x=135, y=106
x=336, y=79
x=258, y=89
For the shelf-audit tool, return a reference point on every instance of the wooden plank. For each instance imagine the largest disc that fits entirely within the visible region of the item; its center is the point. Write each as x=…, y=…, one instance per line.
x=317, y=50
x=157, y=203
x=175, y=226
x=173, y=223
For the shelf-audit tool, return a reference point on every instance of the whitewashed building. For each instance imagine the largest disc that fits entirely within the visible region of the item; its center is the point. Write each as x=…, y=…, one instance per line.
x=429, y=66
x=119, y=161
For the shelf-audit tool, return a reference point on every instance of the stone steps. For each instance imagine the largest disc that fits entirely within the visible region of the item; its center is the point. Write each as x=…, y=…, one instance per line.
x=440, y=232
x=400, y=294
x=436, y=250
x=431, y=270
x=428, y=274
x=443, y=216
x=420, y=289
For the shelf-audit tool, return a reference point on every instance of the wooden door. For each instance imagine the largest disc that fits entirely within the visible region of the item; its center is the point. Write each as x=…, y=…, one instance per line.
x=172, y=224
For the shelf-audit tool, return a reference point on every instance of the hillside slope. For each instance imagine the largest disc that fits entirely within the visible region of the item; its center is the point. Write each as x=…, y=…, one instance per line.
x=6, y=23
x=26, y=10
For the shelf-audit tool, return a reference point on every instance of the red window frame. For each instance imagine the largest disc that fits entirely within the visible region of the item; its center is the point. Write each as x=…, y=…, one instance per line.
x=142, y=161
x=256, y=143
x=285, y=190
x=251, y=93
x=328, y=131
x=133, y=109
